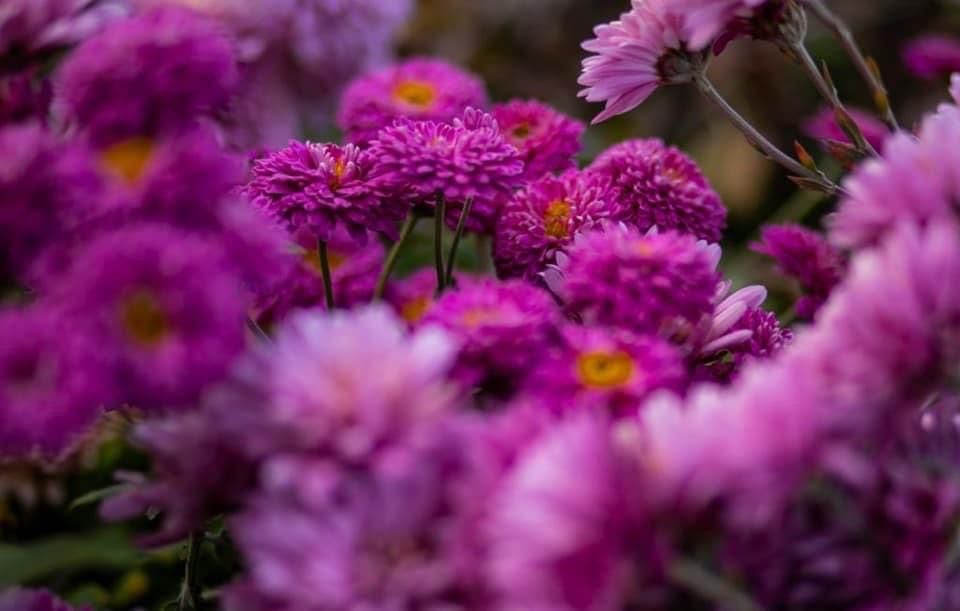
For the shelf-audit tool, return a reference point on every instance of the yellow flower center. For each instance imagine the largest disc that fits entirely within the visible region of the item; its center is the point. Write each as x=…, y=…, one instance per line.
x=605, y=370
x=413, y=310
x=521, y=132
x=311, y=258
x=556, y=219
x=128, y=159
x=479, y=316
x=339, y=170
x=143, y=319
x=419, y=94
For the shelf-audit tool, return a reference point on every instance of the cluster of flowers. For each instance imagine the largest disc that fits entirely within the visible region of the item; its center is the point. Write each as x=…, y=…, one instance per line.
x=604, y=425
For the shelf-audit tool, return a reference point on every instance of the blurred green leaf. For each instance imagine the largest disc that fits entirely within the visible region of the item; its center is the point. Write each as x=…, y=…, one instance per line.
x=95, y=496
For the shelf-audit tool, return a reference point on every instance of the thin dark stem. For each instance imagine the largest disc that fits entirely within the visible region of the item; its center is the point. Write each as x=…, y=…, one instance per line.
x=461, y=225
x=439, y=216
x=327, y=276
x=709, y=587
x=257, y=330
x=187, y=601
x=759, y=141
x=391, y=261
x=842, y=32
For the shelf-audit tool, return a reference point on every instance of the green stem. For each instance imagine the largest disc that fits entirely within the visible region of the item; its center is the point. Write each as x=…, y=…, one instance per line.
x=461, y=226
x=439, y=216
x=327, y=276
x=188, y=598
x=709, y=587
x=391, y=261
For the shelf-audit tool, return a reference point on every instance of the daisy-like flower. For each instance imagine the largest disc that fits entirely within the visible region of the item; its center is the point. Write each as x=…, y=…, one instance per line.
x=634, y=56
x=547, y=139
x=413, y=296
x=311, y=189
x=419, y=89
x=663, y=188
x=717, y=22
x=607, y=369
x=653, y=283
x=501, y=327
x=418, y=161
x=542, y=219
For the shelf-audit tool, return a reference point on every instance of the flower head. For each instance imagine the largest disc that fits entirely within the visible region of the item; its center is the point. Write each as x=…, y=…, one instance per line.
x=716, y=22
x=418, y=89
x=418, y=161
x=546, y=138
x=542, y=219
x=663, y=188
x=34, y=600
x=23, y=97
x=931, y=56
x=30, y=27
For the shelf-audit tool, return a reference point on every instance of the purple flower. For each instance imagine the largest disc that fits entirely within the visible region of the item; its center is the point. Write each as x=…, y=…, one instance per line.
x=24, y=97
x=717, y=22
x=807, y=256
x=164, y=306
x=500, y=326
x=419, y=89
x=932, y=55
x=417, y=161
x=53, y=383
x=634, y=56
x=34, y=26
x=542, y=219
x=547, y=139
x=647, y=283
x=596, y=368
x=34, y=600
x=311, y=189
x=824, y=126
x=148, y=74
x=413, y=296
x=48, y=187
x=663, y=188
x=757, y=335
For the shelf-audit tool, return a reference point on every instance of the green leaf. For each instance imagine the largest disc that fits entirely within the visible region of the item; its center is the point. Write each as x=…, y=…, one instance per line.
x=96, y=496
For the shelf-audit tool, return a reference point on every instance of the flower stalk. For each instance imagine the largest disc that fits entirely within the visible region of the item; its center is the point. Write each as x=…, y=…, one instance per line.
x=408, y=226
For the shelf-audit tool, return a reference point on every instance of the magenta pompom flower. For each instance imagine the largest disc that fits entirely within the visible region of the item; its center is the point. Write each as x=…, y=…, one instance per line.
x=501, y=327
x=608, y=369
x=663, y=188
x=634, y=56
x=931, y=56
x=148, y=74
x=418, y=161
x=34, y=600
x=542, y=219
x=547, y=139
x=165, y=307
x=654, y=283
x=311, y=189
x=419, y=89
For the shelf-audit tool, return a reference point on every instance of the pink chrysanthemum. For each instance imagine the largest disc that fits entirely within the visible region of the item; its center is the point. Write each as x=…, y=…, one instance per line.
x=663, y=188
x=311, y=189
x=607, y=369
x=542, y=219
x=418, y=89
x=648, y=283
x=417, y=161
x=547, y=139
x=634, y=56
x=716, y=22
x=931, y=56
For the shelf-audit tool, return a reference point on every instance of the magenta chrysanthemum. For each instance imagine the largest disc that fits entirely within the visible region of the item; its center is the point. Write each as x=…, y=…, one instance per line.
x=647, y=283
x=29, y=27
x=311, y=189
x=706, y=21
x=547, y=139
x=417, y=161
x=542, y=219
x=418, y=89
x=607, y=369
x=501, y=326
x=932, y=56
x=663, y=188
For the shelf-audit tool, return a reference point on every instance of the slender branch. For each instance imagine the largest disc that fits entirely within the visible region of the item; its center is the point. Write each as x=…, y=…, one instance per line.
x=842, y=32
x=187, y=601
x=327, y=276
x=439, y=216
x=391, y=261
x=759, y=141
x=709, y=587
x=256, y=329
x=461, y=226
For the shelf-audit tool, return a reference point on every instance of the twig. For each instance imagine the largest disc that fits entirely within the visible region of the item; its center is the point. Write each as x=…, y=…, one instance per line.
x=408, y=225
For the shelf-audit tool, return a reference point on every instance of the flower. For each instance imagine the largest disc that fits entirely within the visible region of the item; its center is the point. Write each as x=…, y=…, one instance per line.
x=53, y=383
x=757, y=335
x=19, y=599
x=807, y=256
x=717, y=22
x=413, y=296
x=311, y=189
x=663, y=188
x=931, y=56
x=605, y=369
x=418, y=161
x=24, y=97
x=634, y=56
x=546, y=138
x=419, y=89
x=654, y=283
x=164, y=306
x=501, y=328
x=31, y=27
x=824, y=126
x=543, y=218
x=148, y=74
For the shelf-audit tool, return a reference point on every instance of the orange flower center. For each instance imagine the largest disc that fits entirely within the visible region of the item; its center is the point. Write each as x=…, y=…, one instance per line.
x=311, y=258
x=479, y=316
x=144, y=319
x=556, y=219
x=413, y=310
x=605, y=370
x=521, y=132
x=419, y=94
x=128, y=159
